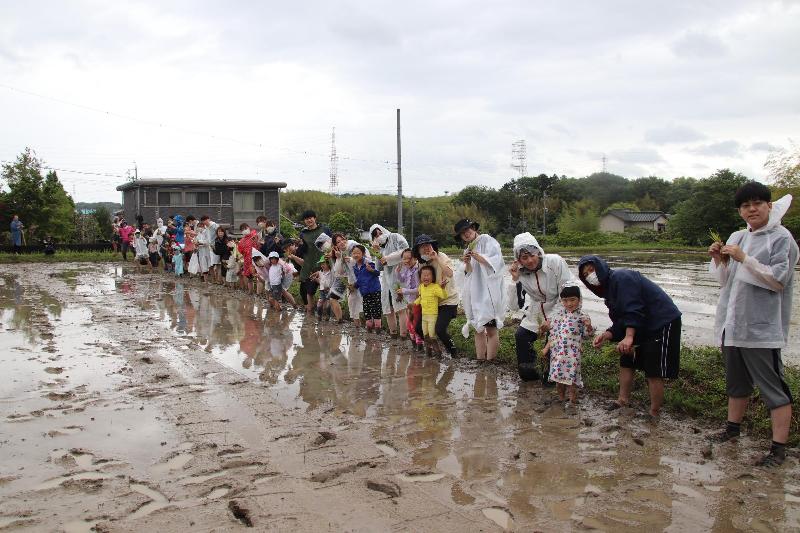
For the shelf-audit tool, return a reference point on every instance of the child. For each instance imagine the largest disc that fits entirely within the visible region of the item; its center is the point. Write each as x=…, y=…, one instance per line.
x=140, y=246
x=260, y=270
x=430, y=293
x=369, y=286
x=234, y=264
x=324, y=277
x=223, y=251
x=407, y=283
x=275, y=277
x=166, y=252
x=177, y=259
x=152, y=251
x=568, y=327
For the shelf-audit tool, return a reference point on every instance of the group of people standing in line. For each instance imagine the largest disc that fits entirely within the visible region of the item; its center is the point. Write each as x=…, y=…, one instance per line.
x=412, y=287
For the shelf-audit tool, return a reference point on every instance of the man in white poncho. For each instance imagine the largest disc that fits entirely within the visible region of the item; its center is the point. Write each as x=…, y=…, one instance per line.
x=391, y=246
x=206, y=234
x=538, y=279
x=484, y=294
x=756, y=271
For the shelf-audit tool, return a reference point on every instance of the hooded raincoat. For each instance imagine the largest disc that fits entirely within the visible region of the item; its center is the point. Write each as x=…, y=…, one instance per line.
x=484, y=295
x=542, y=287
x=343, y=268
x=205, y=242
x=755, y=301
x=392, y=251
x=633, y=301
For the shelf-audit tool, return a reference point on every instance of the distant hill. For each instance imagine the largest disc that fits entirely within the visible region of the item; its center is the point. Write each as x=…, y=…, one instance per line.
x=91, y=206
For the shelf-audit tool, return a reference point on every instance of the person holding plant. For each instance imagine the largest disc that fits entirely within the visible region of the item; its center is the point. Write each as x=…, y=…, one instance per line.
x=430, y=294
x=390, y=246
x=369, y=285
x=426, y=250
x=645, y=324
x=484, y=297
x=538, y=278
x=755, y=269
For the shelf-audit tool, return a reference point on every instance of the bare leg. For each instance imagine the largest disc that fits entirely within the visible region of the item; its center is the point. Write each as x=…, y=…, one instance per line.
x=336, y=307
x=625, y=385
x=289, y=297
x=656, y=388
x=402, y=318
x=781, y=419
x=480, y=346
x=492, y=343
x=573, y=393
x=391, y=318
x=736, y=409
x=562, y=391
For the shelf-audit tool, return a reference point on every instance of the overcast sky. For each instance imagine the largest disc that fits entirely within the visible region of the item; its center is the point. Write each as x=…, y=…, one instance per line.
x=251, y=89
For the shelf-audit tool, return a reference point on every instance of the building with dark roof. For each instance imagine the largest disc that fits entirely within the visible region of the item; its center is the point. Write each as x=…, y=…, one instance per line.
x=227, y=202
x=618, y=220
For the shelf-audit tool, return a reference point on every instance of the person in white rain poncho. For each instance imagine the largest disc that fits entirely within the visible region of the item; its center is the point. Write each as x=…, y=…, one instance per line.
x=538, y=279
x=484, y=297
x=343, y=269
x=206, y=234
x=391, y=246
x=756, y=271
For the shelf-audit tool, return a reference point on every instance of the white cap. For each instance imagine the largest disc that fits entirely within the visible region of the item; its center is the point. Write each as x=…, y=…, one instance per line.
x=273, y=254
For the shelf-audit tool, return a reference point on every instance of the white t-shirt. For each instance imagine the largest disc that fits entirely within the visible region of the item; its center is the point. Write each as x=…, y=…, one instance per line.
x=275, y=274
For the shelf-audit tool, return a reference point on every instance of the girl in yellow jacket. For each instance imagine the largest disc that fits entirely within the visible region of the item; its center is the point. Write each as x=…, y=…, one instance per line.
x=430, y=293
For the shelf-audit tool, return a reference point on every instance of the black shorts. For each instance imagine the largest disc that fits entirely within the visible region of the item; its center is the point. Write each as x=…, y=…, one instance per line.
x=154, y=258
x=656, y=353
x=308, y=288
x=372, y=306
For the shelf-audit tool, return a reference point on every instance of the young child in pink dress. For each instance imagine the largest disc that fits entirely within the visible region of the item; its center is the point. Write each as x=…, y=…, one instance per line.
x=568, y=328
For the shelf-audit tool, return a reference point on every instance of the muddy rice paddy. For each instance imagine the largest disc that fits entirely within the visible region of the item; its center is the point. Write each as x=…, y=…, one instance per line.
x=134, y=402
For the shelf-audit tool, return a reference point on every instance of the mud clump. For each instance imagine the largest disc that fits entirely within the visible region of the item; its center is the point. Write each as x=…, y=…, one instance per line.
x=54, y=369
x=59, y=396
x=323, y=437
x=240, y=513
x=146, y=360
x=390, y=488
x=328, y=475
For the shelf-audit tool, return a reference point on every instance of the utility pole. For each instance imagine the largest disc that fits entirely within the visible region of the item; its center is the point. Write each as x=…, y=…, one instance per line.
x=399, y=181
x=413, y=205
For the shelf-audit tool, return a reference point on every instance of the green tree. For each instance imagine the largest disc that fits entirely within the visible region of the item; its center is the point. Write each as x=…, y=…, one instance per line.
x=103, y=217
x=579, y=217
x=41, y=203
x=784, y=166
x=621, y=205
x=344, y=223
x=58, y=217
x=709, y=207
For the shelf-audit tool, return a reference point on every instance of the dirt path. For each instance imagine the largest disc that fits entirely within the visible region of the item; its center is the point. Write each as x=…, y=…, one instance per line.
x=132, y=402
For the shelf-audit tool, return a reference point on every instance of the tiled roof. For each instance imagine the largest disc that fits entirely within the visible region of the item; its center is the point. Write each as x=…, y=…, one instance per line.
x=636, y=216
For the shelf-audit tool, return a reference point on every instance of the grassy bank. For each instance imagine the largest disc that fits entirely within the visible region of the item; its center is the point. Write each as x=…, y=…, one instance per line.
x=698, y=392
x=60, y=257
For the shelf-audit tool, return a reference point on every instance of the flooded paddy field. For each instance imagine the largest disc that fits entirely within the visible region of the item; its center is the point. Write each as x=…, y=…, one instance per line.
x=137, y=402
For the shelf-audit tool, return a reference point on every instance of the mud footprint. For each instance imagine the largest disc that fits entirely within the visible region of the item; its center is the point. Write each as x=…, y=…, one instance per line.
x=157, y=501
x=420, y=476
x=177, y=462
x=386, y=447
x=499, y=516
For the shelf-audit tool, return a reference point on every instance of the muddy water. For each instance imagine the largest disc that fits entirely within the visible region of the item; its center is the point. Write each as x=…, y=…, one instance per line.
x=512, y=449
x=77, y=424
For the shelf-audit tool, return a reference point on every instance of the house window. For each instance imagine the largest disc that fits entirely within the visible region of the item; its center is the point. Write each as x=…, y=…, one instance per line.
x=248, y=201
x=169, y=198
x=197, y=198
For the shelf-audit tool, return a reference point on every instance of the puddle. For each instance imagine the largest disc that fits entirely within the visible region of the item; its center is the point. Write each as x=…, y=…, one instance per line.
x=80, y=476
x=175, y=463
x=426, y=477
x=386, y=448
x=80, y=526
x=499, y=516
x=157, y=501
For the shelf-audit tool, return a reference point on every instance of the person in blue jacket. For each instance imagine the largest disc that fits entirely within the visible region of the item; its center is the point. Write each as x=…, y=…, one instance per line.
x=645, y=324
x=369, y=285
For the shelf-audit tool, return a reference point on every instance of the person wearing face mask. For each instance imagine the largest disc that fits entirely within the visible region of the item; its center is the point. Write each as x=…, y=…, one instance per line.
x=269, y=238
x=645, y=324
x=538, y=280
x=426, y=250
x=391, y=246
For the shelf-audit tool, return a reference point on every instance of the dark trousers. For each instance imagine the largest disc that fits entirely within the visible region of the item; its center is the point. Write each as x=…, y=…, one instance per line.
x=308, y=288
x=125, y=247
x=526, y=355
x=446, y=315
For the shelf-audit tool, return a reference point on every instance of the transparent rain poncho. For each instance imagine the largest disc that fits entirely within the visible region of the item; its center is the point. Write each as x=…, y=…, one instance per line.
x=755, y=301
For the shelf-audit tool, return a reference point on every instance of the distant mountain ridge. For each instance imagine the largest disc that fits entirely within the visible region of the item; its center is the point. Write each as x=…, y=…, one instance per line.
x=91, y=206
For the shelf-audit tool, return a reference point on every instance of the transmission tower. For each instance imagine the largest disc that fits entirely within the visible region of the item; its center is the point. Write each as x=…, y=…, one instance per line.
x=519, y=157
x=605, y=167
x=333, y=184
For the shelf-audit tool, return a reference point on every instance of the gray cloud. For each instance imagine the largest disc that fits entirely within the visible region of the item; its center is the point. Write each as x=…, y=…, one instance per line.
x=636, y=156
x=722, y=149
x=673, y=134
x=764, y=147
x=694, y=44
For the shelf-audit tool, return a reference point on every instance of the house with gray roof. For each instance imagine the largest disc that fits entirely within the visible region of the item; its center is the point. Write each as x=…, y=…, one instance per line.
x=227, y=202
x=618, y=220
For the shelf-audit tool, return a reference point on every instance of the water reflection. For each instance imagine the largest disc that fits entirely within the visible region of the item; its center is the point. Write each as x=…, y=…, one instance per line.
x=505, y=443
x=18, y=309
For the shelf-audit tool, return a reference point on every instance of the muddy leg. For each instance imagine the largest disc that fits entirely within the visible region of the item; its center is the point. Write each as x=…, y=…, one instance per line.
x=656, y=388
x=492, y=343
x=480, y=346
x=626, y=376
